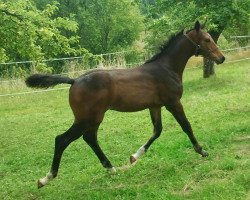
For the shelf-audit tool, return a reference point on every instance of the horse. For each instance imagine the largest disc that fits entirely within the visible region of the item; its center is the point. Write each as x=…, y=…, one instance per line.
x=155, y=84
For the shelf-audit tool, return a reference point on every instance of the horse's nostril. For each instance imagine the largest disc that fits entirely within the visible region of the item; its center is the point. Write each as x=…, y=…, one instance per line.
x=223, y=59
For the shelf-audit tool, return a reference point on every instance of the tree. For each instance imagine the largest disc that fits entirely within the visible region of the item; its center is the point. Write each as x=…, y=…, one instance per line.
x=30, y=34
x=104, y=25
x=222, y=16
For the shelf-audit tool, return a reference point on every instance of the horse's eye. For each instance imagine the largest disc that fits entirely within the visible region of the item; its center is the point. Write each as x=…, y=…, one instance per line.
x=207, y=40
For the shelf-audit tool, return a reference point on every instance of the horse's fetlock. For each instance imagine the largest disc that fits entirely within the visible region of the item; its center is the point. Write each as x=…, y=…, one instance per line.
x=54, y=174
x=106, y=164
x=198, y=148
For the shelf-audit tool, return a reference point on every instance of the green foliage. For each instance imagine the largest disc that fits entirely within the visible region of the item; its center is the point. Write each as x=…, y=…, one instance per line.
x=104, y=25
x=231, y=16
x=110, y=25
x=31, y=34
x=239, y=24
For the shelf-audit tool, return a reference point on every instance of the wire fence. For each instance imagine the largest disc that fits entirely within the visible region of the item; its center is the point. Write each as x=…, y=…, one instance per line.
x=32, y=92
x=65, y=58
x=235, y=49
x=240, y=36
x=99, y=55
x=108, y=60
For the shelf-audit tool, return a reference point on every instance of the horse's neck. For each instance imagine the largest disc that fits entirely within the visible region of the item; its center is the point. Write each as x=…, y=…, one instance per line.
x=177, y=58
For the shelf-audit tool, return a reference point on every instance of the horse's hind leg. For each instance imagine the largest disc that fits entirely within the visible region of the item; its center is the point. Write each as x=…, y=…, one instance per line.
x=90, y=137
x=61, y=143
x=156, y=120
x=178, y=113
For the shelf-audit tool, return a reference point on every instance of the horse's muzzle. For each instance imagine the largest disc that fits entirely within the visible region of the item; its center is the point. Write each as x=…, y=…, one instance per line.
x=221, y=60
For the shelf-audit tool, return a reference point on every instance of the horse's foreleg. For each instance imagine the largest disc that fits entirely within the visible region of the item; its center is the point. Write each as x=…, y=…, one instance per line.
x=178, y=112
x=156, y=120
x=90, y=137
x=61, y=143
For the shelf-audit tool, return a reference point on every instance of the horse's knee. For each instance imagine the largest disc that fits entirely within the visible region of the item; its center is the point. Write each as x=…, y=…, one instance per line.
x=159, y=129
x=69, y=136
x=60, y=140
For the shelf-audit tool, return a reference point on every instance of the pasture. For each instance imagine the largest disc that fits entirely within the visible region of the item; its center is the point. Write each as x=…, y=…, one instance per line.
x=217, y=108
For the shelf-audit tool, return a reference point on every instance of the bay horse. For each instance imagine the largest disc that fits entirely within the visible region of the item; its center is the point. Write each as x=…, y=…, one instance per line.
x=156, y=83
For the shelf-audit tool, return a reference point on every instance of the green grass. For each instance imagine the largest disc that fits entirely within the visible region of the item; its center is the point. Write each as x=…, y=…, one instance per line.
x=217, y=108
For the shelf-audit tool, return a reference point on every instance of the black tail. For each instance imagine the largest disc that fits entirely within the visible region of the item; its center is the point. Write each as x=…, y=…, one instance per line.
x=45, y=81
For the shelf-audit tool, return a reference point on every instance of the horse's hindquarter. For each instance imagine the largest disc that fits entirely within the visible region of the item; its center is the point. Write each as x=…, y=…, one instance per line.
x=91, y=95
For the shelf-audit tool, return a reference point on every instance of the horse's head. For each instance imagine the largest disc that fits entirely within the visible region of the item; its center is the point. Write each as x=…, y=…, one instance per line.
x=205, y=44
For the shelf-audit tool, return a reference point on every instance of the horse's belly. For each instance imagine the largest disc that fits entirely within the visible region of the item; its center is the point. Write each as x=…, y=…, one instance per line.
x=131, y=108
x=135, y=101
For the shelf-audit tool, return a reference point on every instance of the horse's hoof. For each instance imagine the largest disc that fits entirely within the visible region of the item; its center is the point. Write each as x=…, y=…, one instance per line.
x=132, y=160
x=39, y=184
x=199, y=150
x=204, y=153
x=111, y=171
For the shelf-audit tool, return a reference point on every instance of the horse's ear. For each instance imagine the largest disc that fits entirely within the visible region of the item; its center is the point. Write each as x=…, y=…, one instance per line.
x=197, y=26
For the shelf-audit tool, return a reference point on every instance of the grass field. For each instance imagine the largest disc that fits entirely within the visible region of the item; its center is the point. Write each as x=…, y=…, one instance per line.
x=218, y=109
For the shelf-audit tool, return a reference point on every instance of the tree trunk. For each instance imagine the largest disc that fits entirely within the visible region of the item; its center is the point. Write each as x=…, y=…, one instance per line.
x=208, y=64
x=208, y=67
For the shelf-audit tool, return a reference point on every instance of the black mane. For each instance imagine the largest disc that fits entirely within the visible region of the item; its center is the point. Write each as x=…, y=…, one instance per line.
x=166, y=46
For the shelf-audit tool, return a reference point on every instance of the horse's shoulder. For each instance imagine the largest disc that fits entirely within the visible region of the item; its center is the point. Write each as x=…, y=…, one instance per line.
x=168, y=82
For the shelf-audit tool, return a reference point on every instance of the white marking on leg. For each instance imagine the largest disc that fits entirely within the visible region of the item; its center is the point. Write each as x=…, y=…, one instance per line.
x=46, y=179
x=139, y=153
x=111, y=170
